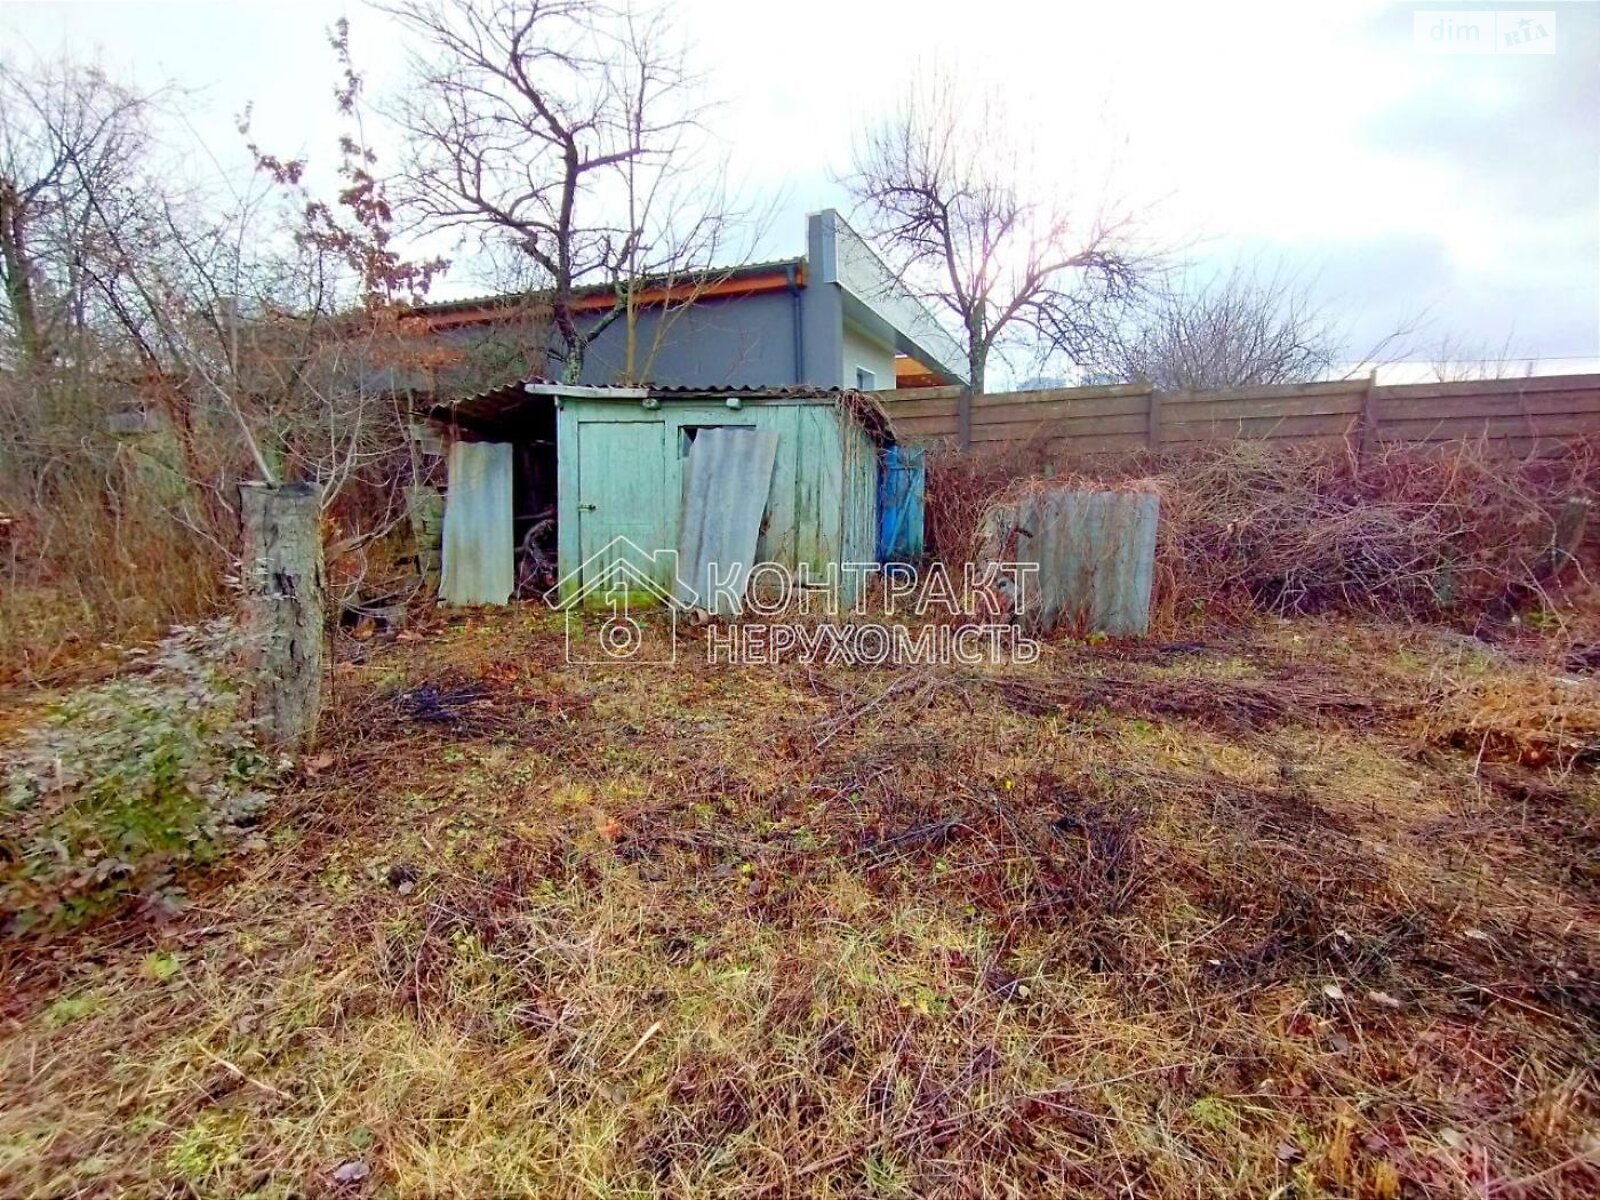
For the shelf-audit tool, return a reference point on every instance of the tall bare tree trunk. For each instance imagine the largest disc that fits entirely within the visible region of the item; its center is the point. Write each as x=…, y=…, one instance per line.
x=18, y=271
x=284, y=607
x=967, y=401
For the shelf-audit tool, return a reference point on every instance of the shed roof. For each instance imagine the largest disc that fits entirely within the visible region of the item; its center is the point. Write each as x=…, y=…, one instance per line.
x=500, y=408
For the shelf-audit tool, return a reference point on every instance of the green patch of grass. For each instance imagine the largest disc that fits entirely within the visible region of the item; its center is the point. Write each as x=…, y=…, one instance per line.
x=1214, y=1113
x=162, y=965
x=68, y=1009
x=208, y=1150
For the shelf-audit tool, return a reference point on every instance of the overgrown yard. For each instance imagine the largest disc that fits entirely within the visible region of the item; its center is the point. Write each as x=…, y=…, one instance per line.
x=1308, y=911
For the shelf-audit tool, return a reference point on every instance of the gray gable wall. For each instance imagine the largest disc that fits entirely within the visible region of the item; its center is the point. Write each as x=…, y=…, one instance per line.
x=737, y=340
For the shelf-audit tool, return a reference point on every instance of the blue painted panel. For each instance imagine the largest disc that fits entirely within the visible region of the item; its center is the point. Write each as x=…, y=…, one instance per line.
x=902, y=481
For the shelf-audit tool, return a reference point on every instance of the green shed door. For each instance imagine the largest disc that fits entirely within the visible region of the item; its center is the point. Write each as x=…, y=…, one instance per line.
x=622, y=493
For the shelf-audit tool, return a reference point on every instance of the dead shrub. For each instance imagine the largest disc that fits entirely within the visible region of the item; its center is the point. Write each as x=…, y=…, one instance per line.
x=110, y=537
x=1528, y=718
x=1254, y=526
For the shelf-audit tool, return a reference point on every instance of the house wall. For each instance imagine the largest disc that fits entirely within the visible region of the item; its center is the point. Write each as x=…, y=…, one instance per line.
x=849, y=264
x=742, y=340
x=861, y=349
x=745, y=340
x=821, y=506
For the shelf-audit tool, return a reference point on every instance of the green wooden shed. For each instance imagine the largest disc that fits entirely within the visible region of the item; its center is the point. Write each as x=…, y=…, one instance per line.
x=550, y=482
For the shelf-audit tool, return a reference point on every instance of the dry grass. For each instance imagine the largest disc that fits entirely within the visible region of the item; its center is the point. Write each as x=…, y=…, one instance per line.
x=92, y=524
x=1248, y=918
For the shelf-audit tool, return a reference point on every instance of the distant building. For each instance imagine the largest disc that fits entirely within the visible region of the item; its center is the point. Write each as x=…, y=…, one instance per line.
x=834, y=317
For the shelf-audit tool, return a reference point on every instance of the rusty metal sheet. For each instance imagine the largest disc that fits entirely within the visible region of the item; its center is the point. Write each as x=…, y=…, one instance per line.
x=479, y=553
x=724, y=498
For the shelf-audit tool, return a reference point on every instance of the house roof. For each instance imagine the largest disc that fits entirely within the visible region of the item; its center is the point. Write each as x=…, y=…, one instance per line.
x=874, y=299
x=498, y=409
x=743, y=273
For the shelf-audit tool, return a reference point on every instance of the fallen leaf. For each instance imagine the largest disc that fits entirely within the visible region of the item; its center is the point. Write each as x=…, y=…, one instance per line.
x=1333, y=991
x=1384, y=999
x=319, y=763
x=353, y=1171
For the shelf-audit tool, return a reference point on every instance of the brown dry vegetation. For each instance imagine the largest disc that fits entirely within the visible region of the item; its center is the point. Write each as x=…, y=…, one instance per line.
x=1311, y=911
x=1256, y=526
x=92, y=524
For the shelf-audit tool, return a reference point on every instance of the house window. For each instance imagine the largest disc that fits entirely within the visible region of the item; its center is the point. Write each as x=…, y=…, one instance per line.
x=866, y=380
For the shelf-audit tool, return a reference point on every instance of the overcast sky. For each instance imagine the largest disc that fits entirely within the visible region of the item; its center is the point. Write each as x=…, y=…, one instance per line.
x=1462, y=186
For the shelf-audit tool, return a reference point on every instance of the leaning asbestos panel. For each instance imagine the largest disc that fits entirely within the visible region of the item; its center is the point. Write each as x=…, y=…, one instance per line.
x=1095, y=552
x=730, y=475
x=478, y=551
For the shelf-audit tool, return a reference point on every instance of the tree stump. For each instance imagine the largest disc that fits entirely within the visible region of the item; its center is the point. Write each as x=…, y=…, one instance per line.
x=425, y=508
x=284, y=589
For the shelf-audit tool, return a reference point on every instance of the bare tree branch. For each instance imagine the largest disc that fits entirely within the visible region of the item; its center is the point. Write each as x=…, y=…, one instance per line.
x=1243, y=328
x=951, y=203
x=558, y=128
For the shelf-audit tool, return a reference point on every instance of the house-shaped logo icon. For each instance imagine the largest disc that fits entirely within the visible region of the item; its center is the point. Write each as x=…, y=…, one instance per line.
x=600, y=598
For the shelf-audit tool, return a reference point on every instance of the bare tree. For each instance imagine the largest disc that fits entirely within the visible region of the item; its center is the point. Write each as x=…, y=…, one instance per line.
x=560, y=128
x=1455, y=360
x=1242, y=328
x=265, y=327
x=72, y=150
x=961, y=217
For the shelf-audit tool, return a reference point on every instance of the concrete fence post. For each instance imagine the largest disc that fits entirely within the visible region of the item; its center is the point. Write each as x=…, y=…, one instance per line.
x=1368, y=432
x=284, y=607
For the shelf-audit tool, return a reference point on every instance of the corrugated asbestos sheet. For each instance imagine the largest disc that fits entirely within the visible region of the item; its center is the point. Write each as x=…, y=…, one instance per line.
x=497, y=412
x=724, y=498
x=1096, y=556
x=478, y=535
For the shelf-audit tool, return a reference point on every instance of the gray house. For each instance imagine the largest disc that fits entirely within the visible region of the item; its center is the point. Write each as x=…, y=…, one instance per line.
x=834, y=317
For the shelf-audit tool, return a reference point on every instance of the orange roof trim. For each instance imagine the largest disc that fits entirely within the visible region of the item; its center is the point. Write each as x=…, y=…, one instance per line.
x=678, y=293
